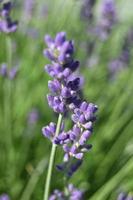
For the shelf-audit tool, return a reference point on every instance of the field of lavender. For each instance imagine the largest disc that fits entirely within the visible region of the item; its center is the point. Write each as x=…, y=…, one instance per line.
x=66, y=66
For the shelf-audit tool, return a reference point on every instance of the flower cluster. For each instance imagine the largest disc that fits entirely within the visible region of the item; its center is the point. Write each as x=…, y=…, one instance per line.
x=65, y=97
x=123, y=196
x=6, y=23
x=8, y=73
x=63, y=89
x=4, y=197
x=74, y=141
x=72, y=194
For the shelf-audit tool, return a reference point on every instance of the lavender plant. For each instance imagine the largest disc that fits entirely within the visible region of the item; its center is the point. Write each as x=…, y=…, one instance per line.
x=64, y=98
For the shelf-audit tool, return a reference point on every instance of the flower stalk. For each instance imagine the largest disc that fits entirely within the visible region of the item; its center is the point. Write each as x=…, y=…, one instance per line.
x=51, y=160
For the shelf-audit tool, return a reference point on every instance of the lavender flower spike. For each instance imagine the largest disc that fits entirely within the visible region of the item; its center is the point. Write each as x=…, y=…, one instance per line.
x=65, y=97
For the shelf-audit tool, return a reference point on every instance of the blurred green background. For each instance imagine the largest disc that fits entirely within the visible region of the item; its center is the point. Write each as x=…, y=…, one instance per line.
x=24, y=152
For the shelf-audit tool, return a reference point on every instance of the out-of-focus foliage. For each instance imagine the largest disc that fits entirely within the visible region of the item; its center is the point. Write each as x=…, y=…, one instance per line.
x=108, y=167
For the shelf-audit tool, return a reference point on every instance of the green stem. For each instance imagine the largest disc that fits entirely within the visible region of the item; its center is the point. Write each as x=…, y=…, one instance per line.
x=8, y=107
x=51, y=160
x=9, y=51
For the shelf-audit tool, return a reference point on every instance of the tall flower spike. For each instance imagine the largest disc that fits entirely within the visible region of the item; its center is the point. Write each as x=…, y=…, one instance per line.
x=64, y=96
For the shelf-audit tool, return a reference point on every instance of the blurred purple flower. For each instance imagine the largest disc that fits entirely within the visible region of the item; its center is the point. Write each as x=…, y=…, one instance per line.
x=4, y=197
x=28, y=9
x=8, y=73
x=33, y=116
x=106, y=22
x=123, y=196
x=73, y=194
x=108, y=19
x=7, y=25
x=124, y=58
x=3, y=70
x=13, y=73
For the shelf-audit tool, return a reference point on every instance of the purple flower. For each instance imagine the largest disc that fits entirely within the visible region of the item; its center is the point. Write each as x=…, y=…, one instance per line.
x=123, y=196
x=69, y=168
x=6, y=9
x=3, y=70
x=108, y=18
x=28, y=9
x=57, y=195
x=75, y=145
x=4, y=197
x=8, y=73
x=63, y=90
x=7, y=25
x=49, y=131
x=73, y=194
x=13, y=73
x=33, y=116
x=60, y=50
